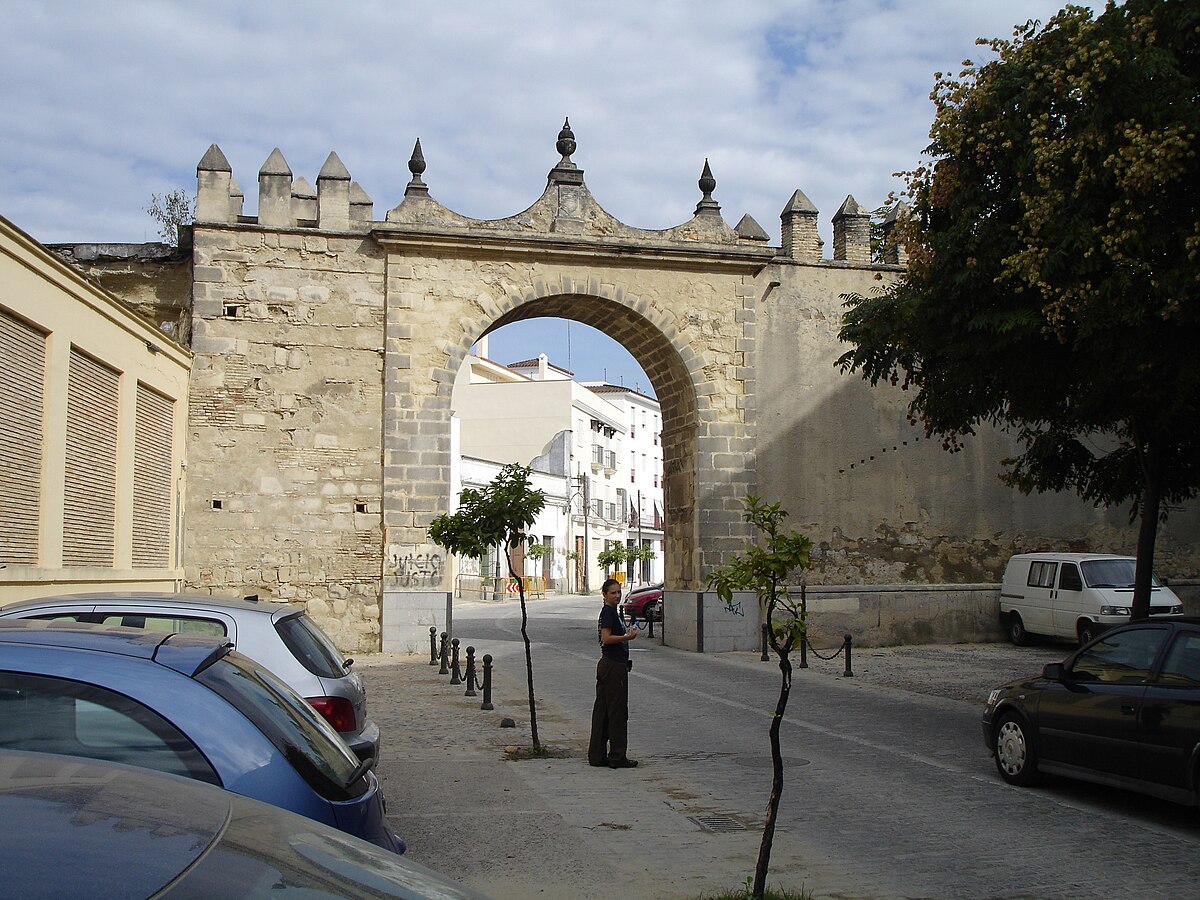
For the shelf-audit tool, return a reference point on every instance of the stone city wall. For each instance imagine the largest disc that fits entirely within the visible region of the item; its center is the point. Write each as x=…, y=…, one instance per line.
x=284, y=478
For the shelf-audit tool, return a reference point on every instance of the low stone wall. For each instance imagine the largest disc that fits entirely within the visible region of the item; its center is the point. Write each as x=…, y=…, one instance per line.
x=1189, y=593
x=874, y=615
x=890, y=615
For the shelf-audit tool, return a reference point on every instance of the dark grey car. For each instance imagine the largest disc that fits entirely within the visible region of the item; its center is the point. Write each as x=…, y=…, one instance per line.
x=74, y=827
x=279, y=635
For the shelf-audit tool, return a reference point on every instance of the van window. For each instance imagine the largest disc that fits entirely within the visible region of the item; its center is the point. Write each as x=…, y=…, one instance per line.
x=1068, y=578
x=1112, y=573
x=1041, y=574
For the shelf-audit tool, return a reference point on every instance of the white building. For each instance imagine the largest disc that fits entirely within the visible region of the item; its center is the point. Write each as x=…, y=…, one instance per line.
x=644, y=466
x=535, y=414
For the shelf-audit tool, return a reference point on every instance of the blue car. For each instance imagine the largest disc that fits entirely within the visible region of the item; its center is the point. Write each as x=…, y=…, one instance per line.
x=72, y=827
x=184, y=705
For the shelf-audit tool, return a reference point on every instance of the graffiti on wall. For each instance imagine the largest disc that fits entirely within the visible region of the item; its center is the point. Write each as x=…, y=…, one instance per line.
x=420, y=566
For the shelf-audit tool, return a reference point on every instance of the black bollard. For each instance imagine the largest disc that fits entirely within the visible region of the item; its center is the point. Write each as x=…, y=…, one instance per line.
x=433, y=645
x=455, y=671
x=445, y=669
x=470, y=676
x=487, y=682
x=650, y=623
x=766, y=657
x=804, y=650
x=849, y=672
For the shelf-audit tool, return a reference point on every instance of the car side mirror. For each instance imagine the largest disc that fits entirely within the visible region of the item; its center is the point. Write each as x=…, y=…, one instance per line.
x=1053, y=671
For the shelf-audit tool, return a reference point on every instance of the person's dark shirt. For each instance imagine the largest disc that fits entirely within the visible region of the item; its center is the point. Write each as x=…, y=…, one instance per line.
x=611, y=619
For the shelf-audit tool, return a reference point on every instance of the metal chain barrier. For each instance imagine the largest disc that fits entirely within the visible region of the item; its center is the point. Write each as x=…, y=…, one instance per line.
x=451, y=666
x=806, y=645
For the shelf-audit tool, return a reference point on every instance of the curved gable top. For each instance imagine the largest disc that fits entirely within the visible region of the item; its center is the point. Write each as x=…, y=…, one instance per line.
x=567, y=208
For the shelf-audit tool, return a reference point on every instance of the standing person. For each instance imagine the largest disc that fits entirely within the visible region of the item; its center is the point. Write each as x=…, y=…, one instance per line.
x=610, y=715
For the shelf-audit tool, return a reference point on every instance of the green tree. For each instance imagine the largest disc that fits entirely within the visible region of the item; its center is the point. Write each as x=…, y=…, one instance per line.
x=170, y=211
x=497, y=515
x=612, y=557
x=766, y=570
x=1054, y=260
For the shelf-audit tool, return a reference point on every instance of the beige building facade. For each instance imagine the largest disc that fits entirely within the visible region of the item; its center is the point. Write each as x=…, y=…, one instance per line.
x=93, y=415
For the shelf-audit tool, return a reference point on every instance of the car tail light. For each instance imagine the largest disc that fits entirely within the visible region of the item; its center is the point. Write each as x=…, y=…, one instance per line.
x=338, y=711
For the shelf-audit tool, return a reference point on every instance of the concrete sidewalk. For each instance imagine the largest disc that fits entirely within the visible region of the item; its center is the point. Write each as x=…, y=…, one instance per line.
x=559, y=828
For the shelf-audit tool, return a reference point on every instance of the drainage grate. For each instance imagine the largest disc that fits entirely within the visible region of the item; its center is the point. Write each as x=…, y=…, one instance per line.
x=718, y=824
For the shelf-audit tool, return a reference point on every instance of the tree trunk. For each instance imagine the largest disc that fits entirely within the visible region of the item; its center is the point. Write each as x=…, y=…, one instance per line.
x=1147, y=530
x=764, y=848
x=537, y=744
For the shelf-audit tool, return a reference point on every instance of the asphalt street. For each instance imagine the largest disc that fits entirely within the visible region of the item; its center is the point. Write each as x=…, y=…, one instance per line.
x=889, y=790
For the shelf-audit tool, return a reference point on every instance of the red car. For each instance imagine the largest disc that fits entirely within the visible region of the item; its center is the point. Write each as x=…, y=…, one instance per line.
x=643, y=604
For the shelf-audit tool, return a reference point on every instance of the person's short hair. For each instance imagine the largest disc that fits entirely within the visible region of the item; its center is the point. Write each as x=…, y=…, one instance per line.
x=608, y=582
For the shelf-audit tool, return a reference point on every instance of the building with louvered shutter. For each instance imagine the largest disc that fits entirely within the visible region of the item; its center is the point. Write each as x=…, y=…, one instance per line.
x=93, y=416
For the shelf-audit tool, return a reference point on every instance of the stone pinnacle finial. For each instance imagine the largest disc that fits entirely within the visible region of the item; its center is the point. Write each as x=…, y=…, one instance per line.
x=566, y=172
x=708, y=184
x=416, y=165
x=566, y=142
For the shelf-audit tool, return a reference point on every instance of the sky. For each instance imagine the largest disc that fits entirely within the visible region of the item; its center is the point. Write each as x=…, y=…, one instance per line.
x=106, y=103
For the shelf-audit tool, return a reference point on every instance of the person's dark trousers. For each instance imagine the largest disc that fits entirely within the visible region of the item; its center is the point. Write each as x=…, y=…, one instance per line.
x=610, y=715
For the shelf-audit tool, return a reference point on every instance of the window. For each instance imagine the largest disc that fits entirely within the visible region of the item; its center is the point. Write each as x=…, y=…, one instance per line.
x=56, y=715
x=1111, y=573
x=1182, y=668
x=1122, y=658
x=89, y=502
x=296, y=729
x=167, y=624
x=23, y=350
x=1068, y=578
x=311, y=646
x=1041, y=574
x=152, y=471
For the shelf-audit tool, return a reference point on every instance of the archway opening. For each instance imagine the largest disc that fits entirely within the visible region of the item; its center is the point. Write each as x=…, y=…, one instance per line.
x=624, y=452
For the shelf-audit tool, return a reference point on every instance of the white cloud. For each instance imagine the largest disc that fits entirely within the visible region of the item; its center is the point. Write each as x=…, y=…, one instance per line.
x=107, y=103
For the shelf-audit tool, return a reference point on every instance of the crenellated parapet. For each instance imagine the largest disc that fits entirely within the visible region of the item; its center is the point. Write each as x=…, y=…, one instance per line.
x=566, y=210
x=284, y=201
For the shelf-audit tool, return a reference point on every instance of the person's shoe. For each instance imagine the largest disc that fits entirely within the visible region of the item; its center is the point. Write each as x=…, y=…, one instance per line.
x=623, y=763
x=590, y=763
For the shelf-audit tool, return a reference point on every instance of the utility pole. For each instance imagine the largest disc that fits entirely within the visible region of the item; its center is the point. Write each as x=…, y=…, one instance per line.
x=586, y=506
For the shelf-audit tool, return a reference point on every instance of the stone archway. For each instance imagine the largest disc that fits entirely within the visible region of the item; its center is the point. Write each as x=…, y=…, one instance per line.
x=676, y=388
x=326, y=346
x=682, y=300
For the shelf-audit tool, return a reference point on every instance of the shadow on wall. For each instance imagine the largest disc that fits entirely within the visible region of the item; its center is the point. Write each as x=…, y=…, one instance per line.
x=883, y=504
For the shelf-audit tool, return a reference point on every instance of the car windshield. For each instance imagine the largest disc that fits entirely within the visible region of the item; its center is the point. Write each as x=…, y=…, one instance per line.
x=310, y=645
x=305, y=739
x=1110, y=573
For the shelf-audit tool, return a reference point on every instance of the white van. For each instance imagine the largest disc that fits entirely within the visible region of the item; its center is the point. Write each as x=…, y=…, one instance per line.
x=1073, y=595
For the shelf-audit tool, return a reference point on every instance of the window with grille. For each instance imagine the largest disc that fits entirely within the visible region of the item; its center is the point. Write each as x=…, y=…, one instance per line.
x=89, y=501
x=152, y=472
x=22, y=389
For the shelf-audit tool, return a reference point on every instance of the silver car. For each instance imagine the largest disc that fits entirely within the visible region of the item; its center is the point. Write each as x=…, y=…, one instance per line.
x=279, y=635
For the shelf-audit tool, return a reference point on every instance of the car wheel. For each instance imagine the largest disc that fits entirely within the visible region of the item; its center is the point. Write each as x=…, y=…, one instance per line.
x=1087, y=632
x=651, y=612
x=1016, y=630
x=1016, y=758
